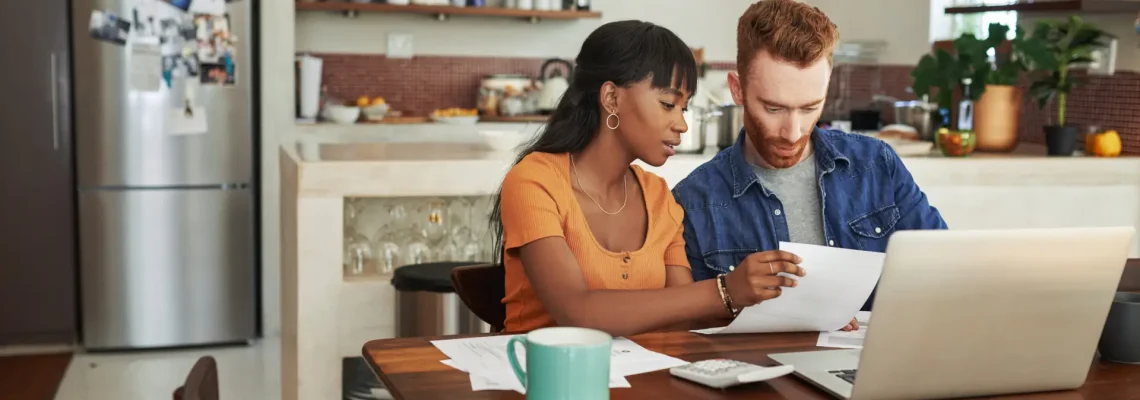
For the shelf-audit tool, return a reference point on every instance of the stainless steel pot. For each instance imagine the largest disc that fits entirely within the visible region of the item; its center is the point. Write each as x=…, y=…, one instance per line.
x=918, y=115
x=729, y=124
x=693, y=141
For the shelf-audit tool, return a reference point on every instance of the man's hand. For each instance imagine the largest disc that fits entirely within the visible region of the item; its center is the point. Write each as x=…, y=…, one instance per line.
x=851, y=326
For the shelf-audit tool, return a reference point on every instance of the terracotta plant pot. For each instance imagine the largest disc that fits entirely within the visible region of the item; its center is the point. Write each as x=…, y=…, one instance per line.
x=996, y=116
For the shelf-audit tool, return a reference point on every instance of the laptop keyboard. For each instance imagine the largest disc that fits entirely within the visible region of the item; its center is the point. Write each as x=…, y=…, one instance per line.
x=845, y=374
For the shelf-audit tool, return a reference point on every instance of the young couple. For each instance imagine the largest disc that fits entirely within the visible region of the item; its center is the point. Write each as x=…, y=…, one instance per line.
x=590, y=240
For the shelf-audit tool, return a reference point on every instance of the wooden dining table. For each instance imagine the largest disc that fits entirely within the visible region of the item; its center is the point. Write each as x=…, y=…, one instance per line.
x=410, y=368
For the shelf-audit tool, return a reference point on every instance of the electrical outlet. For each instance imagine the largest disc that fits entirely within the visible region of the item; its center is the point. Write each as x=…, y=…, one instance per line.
x=1104, y=60
x=400, y=45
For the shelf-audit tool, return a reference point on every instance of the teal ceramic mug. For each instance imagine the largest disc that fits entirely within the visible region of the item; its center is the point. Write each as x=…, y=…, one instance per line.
x=563, y=363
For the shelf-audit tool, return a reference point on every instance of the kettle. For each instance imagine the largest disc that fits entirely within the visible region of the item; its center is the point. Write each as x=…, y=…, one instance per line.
x=554, y=85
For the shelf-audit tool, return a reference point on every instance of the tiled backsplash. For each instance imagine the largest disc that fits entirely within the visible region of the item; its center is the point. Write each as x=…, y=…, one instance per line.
x=1110, y=102
x=424, y=83
x=416, y=85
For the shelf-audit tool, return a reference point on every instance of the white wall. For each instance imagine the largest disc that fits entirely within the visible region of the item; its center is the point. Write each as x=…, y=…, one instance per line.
x=277, y=105
x=903, y=24
x=701, y=23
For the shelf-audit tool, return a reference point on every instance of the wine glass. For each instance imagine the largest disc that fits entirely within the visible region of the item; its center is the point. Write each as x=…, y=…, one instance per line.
x=358, y=258
x=387, y=250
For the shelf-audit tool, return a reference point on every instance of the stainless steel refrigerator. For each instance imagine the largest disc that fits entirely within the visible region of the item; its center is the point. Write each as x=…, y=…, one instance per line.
x=165, y=173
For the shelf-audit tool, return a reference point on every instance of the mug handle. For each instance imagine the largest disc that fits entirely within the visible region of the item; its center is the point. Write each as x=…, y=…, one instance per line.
x=519, y=373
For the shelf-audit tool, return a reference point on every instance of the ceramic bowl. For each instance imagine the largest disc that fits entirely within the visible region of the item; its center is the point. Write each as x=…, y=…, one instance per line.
x=376, y=112
x=344, y=115
x=502, y=141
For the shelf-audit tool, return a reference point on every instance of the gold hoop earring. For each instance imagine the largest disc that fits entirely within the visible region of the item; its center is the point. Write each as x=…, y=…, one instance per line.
x=616, y=124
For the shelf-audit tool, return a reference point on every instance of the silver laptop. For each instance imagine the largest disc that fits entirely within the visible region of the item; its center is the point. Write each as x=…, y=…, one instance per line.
x=963, y=313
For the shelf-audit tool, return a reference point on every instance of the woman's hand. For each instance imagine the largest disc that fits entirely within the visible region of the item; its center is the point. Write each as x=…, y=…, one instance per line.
x=851, y=326
x=756, y=280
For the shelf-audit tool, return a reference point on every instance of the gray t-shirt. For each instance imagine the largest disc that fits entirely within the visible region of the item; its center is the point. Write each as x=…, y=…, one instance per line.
x=797, y=189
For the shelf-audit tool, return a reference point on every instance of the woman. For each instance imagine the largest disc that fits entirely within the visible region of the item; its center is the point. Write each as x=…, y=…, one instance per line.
x=590, y=240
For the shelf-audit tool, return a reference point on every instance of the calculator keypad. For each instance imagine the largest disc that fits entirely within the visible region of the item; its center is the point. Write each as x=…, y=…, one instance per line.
x=716, y=366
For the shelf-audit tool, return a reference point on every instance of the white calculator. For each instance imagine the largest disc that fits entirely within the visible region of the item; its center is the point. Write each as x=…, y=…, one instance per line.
x=721, y=373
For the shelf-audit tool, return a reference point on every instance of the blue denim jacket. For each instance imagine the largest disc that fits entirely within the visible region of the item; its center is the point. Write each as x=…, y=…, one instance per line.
x=865, y=190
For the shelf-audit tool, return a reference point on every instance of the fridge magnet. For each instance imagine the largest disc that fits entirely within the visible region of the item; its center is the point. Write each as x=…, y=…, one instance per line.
x=109, y=27
x=143, y=22
x=179, y=65
x=219, y=74
x=183, y=5
x=212, y=7
x=146, y=65
x=190, y=61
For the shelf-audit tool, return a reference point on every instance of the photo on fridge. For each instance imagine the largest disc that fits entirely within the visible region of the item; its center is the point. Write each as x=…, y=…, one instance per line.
x=109, y=27
x=219, y=74
x=214, y=38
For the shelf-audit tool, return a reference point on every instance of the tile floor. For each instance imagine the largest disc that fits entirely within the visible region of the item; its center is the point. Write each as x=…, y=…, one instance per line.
x=245, y=372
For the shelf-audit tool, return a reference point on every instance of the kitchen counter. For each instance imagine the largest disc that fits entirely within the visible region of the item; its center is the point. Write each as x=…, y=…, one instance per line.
x=335, y=167
x=326, y=316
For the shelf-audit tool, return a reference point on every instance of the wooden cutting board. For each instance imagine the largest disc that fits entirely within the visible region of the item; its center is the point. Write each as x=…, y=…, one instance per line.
x=397, y=120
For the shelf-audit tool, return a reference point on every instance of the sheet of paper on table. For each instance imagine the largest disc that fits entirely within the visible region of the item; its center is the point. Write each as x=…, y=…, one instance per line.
x=488, y=356
x=501, y=382
x=847, y=340
x=837, y=284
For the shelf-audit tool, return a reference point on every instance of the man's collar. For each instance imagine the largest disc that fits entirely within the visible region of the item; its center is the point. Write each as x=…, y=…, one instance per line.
x=826, y=155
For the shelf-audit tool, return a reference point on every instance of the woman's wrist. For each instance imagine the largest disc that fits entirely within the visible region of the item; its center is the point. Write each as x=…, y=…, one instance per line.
x=725, y=297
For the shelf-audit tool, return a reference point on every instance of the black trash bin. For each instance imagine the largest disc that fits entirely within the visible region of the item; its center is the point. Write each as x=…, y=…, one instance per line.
x=426, y=303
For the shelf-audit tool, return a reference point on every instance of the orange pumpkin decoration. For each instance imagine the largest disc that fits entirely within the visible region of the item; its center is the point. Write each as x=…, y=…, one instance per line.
x=1104, y=144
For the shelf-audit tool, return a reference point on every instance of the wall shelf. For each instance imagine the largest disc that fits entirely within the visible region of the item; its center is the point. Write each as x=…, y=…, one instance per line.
x=443, y=12
x=1055, y=6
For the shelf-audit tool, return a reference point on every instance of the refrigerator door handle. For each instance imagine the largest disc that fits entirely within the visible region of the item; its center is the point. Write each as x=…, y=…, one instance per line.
x=54, y=104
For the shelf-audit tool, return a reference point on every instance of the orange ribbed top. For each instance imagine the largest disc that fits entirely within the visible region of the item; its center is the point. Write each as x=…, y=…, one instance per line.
x=538, y=202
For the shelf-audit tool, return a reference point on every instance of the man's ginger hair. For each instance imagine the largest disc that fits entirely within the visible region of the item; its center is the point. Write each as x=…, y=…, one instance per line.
x=790, y=31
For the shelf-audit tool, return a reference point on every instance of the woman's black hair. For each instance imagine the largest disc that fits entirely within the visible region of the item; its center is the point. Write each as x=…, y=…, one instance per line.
x=622, y=52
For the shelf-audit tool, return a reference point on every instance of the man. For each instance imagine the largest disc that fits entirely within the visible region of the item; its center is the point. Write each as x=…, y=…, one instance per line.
x=784, y=179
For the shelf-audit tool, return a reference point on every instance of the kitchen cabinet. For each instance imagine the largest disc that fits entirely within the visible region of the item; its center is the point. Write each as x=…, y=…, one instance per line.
x=442, y=12
x=1054, y=6
x=37, y=206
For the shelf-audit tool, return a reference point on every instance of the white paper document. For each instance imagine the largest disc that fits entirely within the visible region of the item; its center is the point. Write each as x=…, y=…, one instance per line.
x=847, y=340
x=837, y=284
x=495, y=380
x=186, y=121
x=488, y=357
x=146, y=64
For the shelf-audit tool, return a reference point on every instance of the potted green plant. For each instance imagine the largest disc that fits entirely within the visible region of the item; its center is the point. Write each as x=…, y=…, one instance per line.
x=1068, y=42
x=960, y=71
x=999, y=108
x=944, y=72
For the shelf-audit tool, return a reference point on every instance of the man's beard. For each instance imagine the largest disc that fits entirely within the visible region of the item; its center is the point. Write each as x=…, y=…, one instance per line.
x=765, y=146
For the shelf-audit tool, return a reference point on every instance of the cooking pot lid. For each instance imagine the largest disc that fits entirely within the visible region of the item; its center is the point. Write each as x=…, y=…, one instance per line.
x=915, y=104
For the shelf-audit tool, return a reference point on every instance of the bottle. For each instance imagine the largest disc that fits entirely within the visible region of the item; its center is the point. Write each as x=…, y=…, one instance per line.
x=583, y=5
x=966, y=108
x=961, y=142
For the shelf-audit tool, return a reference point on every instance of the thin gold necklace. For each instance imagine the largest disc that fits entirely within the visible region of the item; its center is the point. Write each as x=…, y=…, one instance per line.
x=624, y=185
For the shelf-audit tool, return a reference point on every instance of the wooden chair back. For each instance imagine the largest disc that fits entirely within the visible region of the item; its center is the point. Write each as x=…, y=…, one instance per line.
x=481, y=289
x=201, y=383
